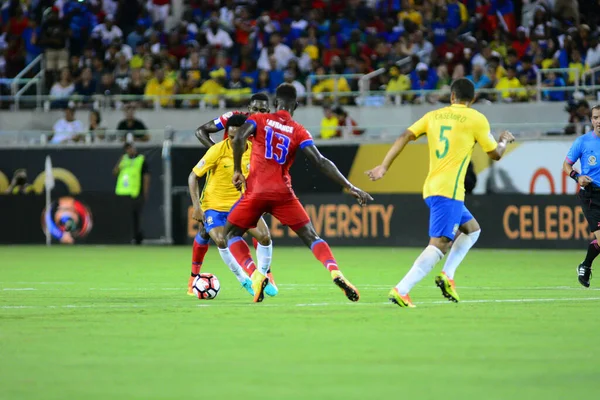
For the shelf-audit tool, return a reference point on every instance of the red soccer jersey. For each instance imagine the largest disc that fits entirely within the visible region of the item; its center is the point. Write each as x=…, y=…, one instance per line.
x=276, y=140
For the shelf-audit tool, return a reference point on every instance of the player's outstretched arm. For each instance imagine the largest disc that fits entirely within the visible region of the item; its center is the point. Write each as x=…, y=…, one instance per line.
x=505, y=138
x=203, y=133
x=379, y=171
x=331, y=170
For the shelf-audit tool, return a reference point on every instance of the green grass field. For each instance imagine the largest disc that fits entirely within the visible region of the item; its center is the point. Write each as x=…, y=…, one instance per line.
x=115, y=323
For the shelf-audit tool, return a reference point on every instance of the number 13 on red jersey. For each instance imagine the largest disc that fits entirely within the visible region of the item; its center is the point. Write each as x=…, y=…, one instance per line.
x=276, y=145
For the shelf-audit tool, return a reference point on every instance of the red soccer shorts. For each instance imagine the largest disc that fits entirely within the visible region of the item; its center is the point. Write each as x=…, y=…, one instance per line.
x=247, y=211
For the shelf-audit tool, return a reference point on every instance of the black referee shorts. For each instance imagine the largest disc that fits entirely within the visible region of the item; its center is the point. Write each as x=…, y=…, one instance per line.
x=590, y=203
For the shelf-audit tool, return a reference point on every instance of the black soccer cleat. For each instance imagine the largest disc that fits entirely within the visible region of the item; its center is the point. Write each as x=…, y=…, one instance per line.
x=584, y=274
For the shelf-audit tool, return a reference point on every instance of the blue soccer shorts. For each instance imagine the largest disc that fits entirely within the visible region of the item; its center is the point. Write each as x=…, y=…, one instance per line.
x=214, y=219
x=445, y=216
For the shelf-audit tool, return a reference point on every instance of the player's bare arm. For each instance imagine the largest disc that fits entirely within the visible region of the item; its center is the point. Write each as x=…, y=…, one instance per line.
x=505, y=138
x=238, y=145
x=331, y=170
x=582, y=180
x=194, y=187
x=203, y=133
x=379, y=171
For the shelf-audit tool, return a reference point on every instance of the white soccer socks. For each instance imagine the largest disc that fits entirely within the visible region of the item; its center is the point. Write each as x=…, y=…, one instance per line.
x=233, y=265
x=422, y=266
x=459, y=250
x=264, y=255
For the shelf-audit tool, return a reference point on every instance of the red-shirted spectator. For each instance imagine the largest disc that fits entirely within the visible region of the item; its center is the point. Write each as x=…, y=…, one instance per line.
x=332, y=51
x=278, y=12
x=347, y=127
x=521, y=44
x=451, y=52
x=244, y=26
x=18, y=23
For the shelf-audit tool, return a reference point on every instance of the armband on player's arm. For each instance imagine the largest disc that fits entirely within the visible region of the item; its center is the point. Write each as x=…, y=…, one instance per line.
x=575, y=175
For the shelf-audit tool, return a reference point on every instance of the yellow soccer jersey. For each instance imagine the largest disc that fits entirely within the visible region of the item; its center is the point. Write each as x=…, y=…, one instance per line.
x=219, y=194
x=451, y=134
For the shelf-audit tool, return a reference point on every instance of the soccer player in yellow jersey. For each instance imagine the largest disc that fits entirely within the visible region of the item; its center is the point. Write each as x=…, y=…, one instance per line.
x=212, y=207
x=451, y=135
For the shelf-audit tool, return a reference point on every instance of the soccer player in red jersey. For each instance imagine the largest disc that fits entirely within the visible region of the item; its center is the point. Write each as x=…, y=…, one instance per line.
x=277, y=137
x=259, y=103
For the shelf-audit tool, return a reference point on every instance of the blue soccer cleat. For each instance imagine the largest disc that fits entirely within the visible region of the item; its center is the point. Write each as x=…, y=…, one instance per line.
x=248, y=286
x=271, y=288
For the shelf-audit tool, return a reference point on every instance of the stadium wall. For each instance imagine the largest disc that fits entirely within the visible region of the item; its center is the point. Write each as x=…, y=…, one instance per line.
x=380, y=120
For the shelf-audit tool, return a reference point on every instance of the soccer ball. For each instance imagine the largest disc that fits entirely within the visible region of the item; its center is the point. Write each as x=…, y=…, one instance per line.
x=206, y=286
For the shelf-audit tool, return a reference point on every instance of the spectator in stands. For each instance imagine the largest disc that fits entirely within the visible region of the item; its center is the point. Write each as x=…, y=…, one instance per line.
x=458, y=16
x=213, y=88
x=508, y=84
x=451, y=52
x=422, y=78
x=132, y=125
x=107, y=85
x=122, y=73
x=161, y=87
x=329, y=124
x=554, y=81
x=333, y=86
x=576, y=67
x=107, y=32
x=567, y=10
x=95, y=130
x=529, y=70
x=398, y=82
x=14, y=55
x=347, y=126
x=31, y=36
x=579, y=118
x=522, y=42
x=137, y=36
x=217, y=36
x=67, y=129
x=62, y=89
x=86, y=87
x=263, y=83
x=237, y=91
x=136, y=86
x=53, y=39
x=540, y=27
x=160, y=9
x=282, y=53
x=592, y=58
x=479, y=78
x=421, y=47
x=290, y=77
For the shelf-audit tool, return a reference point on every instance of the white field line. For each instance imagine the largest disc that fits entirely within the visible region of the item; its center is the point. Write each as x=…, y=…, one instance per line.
x=293, y=287
x=221, y=305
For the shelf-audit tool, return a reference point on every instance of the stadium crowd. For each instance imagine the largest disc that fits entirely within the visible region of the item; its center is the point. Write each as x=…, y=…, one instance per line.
x=229, y=48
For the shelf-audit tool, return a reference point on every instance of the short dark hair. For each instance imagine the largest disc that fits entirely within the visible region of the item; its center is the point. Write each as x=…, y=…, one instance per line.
x=286, y=92
x=260, y=97
x=596, y=107
x=463, y=89
x=236, y=120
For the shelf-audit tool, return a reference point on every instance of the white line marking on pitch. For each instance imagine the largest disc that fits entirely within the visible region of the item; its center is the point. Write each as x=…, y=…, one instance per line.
x=216, y=304
x=18, y=289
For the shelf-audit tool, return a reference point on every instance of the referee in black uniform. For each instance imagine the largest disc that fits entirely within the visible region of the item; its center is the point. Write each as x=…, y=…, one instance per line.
x=586, y=149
